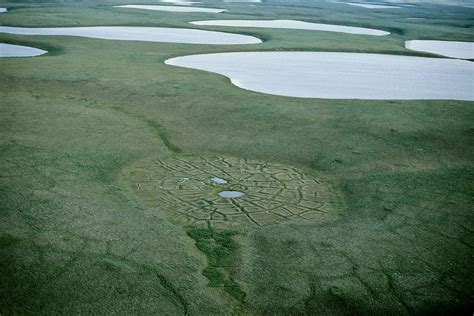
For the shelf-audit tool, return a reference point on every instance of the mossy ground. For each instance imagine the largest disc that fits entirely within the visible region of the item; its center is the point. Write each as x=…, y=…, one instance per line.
x=75, y=239
x=220, y=249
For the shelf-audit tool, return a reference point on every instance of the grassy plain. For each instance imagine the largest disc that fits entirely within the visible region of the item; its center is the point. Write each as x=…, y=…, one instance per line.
x=75, y=238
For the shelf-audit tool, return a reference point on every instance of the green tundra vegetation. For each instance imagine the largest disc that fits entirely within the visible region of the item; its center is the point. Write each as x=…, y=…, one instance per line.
x=372, y=199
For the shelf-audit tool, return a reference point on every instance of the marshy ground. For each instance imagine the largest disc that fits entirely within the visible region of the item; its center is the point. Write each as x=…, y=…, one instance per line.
x=97, y=134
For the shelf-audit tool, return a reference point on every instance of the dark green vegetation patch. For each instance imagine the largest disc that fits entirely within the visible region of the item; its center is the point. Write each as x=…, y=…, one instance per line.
x=220, y=250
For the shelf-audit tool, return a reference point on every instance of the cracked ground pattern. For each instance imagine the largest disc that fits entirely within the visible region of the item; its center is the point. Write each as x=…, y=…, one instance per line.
x=273, y=193
x=405, y=250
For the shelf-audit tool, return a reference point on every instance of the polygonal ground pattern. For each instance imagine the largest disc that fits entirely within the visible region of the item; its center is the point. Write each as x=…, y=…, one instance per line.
x=182, y=186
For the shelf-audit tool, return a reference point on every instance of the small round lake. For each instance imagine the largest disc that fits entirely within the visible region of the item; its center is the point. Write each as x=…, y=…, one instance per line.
x=147, y=34
x=8, y=50
x=463, y=50
x=340, y=75
x=292, y=24
x=231, y=194
x=170, y=8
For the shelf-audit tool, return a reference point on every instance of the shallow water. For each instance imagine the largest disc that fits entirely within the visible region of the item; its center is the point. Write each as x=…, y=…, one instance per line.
x=340, y=75
x=291, y=24
x=218, y=180
x=170, y=8
x=147, y=34
x=2, y=10
x=8, y=50
x=373, y=6
x=231, y=194
x=464, y=50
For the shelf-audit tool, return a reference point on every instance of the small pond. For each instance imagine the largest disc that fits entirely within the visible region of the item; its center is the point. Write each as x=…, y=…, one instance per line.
x=231, y=194
x=218, y=180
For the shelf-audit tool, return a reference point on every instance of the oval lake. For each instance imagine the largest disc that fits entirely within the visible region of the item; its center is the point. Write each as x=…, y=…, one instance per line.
x=170, y=8
x=147, y=34
x=9, y=50
x=373, y=6
x=464, y=50
x=179, y=2
x=292, y=24
x=340, y=75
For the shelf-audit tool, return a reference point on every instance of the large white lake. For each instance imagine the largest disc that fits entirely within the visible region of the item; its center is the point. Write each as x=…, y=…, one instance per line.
x=2, y=10
x=292, y=24
x=170, y=8
x=464, y=50
x=147, y=34
x=340, y=75
x=373, y=6
x=9, y=50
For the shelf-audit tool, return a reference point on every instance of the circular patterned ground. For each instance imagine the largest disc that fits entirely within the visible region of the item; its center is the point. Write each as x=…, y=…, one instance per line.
x=183, y=186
